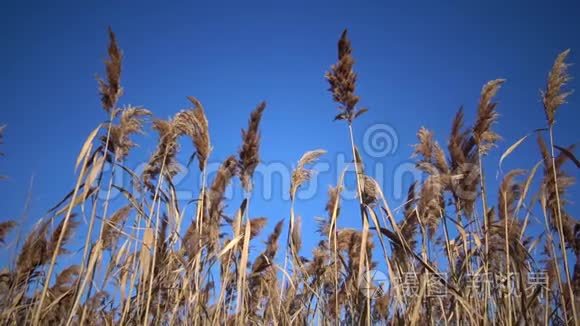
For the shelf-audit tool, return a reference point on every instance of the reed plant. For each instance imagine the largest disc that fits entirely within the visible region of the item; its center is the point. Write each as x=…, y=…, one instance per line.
x=153, y=261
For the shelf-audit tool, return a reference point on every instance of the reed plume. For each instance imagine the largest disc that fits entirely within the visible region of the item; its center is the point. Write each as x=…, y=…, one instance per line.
x=484, y=137
x=553, y=96
x=65, y=279
x=370, y=190
x=5, y=228
x=34, y=252
x=431, y=152
x=163, y=159
x=225, y=173
x=431, y=204
x=249, y=153
x=263, y=276
x=266, y=259
x=457, y=140
x=463, y=178
x=333, y=203
x=130, y=122
x=61, y=232
x=210, y=230
x=301, y=173
x=111, y=88
x=193, y=123
x=256, y=226
x=112, y=227
x=509, y=192
x=342, y=80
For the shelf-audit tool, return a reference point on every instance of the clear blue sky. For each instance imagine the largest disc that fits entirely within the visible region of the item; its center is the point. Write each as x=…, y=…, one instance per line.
x=417, y=63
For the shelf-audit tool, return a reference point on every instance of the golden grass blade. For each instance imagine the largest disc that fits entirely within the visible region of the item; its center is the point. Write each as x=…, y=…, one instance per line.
x=145, y=255
x=242, y=272
x=231, y=244
x=511, y=149
x=526, y=186
x=96, y=168
x=88, y=144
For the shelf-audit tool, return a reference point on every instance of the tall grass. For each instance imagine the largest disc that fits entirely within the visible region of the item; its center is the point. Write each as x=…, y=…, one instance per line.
x=140, y=267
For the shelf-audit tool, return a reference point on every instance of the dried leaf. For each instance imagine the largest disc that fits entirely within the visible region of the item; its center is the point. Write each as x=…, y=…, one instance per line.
x=85, y=150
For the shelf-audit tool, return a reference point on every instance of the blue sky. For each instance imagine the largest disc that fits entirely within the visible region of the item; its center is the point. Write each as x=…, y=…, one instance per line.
x=417, y=63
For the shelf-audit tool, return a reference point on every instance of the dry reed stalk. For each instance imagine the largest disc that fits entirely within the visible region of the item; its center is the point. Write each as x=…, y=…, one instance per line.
x=485, y=139
x=226, y=270
x=300, y=175
x=342, y=80
x=148, y=260
x=117, y=142
x=249, y=158
x=94, y=176
x=194, y=124
x=333, y=210
x=504, y=232
x=162, y=166
x=553, y=97
x=65, y=224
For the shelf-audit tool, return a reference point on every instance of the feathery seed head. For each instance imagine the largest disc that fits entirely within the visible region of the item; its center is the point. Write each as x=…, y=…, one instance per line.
x=342, y=80
x=553, y=97
x=111, y=88
x=483, y=136
x=301, y=174
x=163, y=159
x=5, y=228
x=130, y=122
x=250, y=151
x=225, y=173
x=193, y=123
